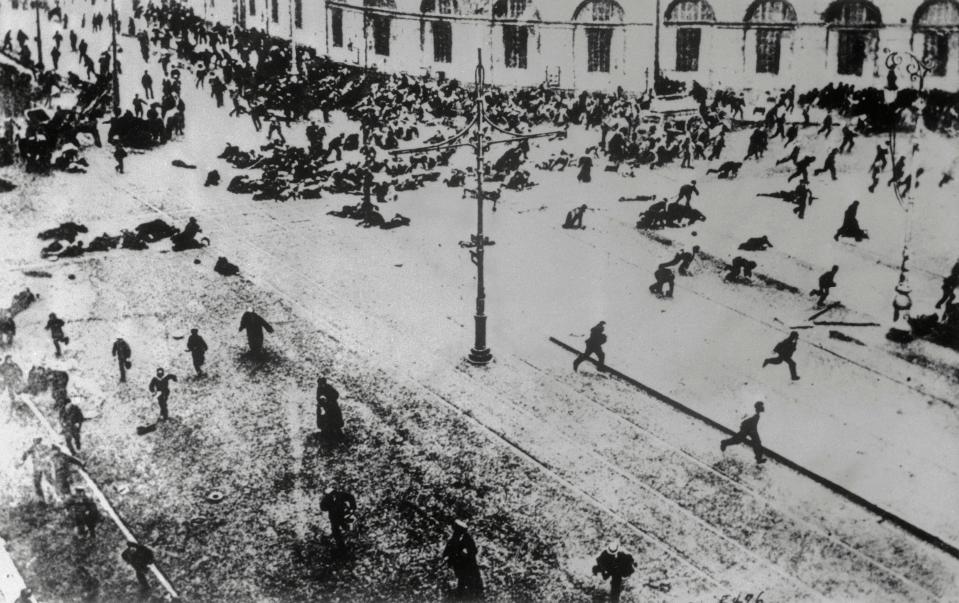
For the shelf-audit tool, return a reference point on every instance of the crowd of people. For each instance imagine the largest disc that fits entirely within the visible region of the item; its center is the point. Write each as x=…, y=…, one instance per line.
x=251, y=70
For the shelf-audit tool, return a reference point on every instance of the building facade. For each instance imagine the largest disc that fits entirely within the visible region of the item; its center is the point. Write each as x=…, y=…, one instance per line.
x=605, y=44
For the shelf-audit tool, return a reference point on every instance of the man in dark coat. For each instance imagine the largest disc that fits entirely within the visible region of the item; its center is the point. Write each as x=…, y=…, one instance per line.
x=197, y=348
x=784, y=351
x=850, y=225
x=616, y=565
x=687, y=191
x=748, y=432
x=585, y=169
x=340, y=507
x=140, y=558
x=254, y=324
x=160, y=385
x=122, y=352
x=71, y=420
x=460, y=554
x=826, y=282
x=594, y=345
x=85, y=513
x=329, y=416
x=55, y=326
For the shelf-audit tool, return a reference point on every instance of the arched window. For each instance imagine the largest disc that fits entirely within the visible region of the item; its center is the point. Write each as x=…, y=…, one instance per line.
x=514, y=9
x=770, y=18
x=688, y=39
x=599, y=11
x=441, y=30
x=599, y=15
x=690, y=11
x=856, y=22
x=937, y=21
x=441, y=7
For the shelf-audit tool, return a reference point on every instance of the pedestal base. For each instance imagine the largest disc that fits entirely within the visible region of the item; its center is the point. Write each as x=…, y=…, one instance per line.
x=479, y=357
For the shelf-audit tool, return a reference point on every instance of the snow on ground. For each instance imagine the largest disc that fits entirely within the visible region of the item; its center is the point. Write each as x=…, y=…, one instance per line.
x=573, y=459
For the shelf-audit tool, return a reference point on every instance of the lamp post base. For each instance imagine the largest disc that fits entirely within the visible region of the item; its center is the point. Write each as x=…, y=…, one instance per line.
x=479, y=357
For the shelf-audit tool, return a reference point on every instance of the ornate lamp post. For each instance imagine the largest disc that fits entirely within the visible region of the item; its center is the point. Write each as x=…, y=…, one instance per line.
x=476, y=136
x=917, y=70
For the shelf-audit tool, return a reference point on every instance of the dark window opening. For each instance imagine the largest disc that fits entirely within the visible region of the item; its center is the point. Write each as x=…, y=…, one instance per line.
x=598, y=42
x=935, y=52
x=298, y=14
x=768, y=50
x=687, y=48
x=275, y=11
x=252, y=7
x=515, y=41
x=852, y=52
x=381, y=34
x=442, y=42
x=336, y=26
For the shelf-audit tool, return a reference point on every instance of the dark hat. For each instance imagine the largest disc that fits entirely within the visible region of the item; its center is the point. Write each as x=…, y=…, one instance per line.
x=759, y=405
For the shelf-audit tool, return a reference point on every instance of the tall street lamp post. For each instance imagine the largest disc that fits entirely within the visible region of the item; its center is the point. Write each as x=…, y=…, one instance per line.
x=917, y=70
x=476, y=136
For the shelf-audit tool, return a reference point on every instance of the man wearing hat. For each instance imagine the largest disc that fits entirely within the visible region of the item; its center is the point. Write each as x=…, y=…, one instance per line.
x=460, y=554
x=594, y=345
x=749, y=428
x=71, y=420
x=122, y=352
x=197, y=348
x=140, y=558
x=55, y=326
x=616, y=565
x=340, y=507
x=160, y=385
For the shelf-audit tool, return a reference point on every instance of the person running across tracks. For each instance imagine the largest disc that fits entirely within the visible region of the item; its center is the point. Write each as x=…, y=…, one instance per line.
x=784, y=351
x=748, y=433
x=594, y=345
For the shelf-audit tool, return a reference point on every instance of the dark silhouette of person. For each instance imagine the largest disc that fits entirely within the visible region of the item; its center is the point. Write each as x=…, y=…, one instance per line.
x=329, y=415
x=793, y=157
x=614, y=565
x=850, y=225
x=880, y=158
x=784, y=351
x=949, y=285
x=55, y=326
x=121, y=351
x=140, y=558
x=147, y=83
x=594, y=345
x=585, y=169
x=160, y=385
x=460, y=554
x=826, y=282
x=848, y=139
x=574, y=218
x=254, y=325
x=197, y=347
x=687, y=191
x=802, y=169
x=748, y=432
x=756, y=244
x=827, y=125
x=683, y=259
x=829, y=165
x=340, y=507
x=740, y=269
x=664, y=276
